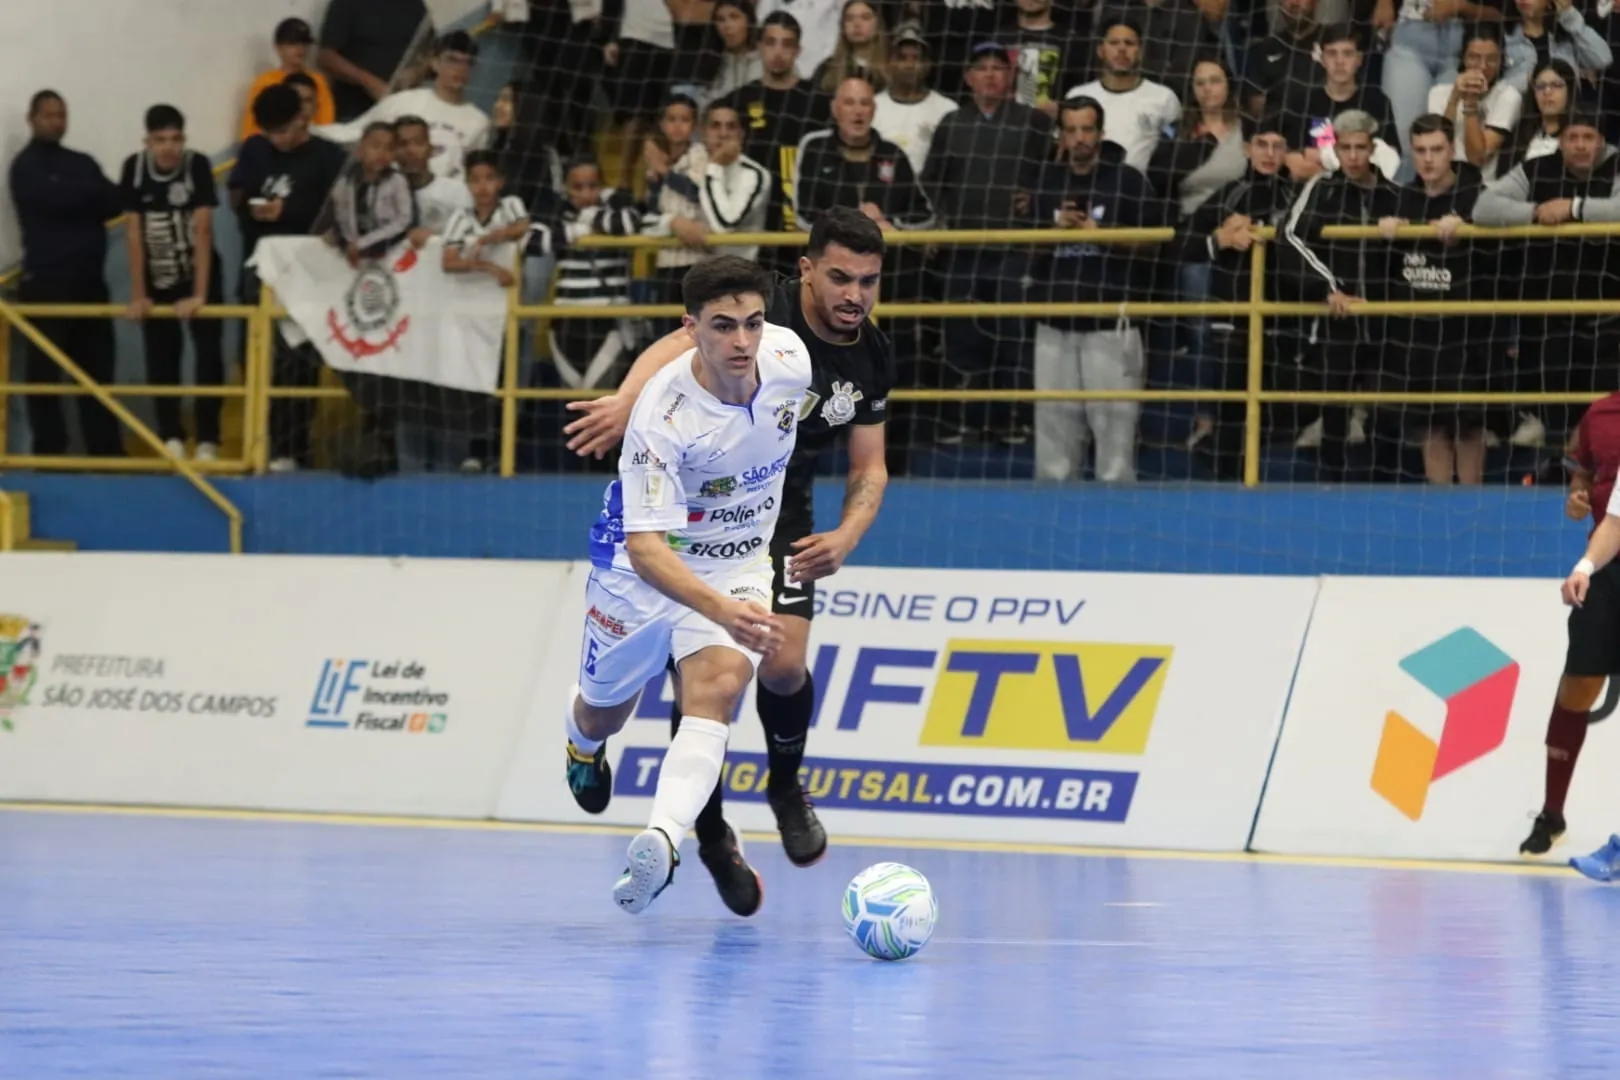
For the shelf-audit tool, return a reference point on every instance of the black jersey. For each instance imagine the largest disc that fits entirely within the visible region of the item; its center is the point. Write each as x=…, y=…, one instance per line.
x=849, y=384
x=166, y=204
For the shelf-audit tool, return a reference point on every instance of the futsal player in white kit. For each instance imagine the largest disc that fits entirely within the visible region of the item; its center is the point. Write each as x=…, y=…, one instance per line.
x=680, y=555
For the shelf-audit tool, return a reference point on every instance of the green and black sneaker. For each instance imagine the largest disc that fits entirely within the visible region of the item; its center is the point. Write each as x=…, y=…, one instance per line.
x=590, y=778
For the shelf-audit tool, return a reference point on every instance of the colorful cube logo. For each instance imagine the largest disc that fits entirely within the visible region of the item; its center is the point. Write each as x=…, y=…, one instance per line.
x=1477, y=682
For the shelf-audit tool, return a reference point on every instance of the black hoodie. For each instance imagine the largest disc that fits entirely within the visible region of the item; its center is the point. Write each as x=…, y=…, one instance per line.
x=63, y=202
x=1264, y=200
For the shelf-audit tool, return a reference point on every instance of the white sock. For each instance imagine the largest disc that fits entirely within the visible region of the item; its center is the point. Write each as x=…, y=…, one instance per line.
x=687, y=778
x=581, y=743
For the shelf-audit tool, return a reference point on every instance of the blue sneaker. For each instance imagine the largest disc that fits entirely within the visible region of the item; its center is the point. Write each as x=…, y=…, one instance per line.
x=1603, y=864
x=590, y=778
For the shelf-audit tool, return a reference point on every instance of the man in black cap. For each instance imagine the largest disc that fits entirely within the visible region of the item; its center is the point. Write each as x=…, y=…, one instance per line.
x=909, y=111
x=979, y=174
x=293, y=41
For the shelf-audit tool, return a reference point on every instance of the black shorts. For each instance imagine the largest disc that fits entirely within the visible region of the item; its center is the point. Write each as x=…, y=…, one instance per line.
x=1594, y=628
x=788, y=599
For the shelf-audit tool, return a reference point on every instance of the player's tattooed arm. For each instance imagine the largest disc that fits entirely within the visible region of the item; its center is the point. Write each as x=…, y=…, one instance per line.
x=604, y=419
x=822, y=554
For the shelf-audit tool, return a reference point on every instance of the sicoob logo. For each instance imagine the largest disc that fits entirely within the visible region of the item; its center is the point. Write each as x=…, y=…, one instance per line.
x=1477, y=682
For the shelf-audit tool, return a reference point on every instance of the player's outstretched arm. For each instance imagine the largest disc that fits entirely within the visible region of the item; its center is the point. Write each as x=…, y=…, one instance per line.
x=822, y=554
x=751, y=625
x=603, y=420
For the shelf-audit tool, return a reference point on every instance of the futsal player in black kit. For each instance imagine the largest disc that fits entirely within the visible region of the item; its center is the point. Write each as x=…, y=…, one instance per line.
x=852, y=370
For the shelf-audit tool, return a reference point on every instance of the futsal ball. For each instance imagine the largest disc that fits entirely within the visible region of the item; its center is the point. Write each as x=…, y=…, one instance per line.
x=889, y=910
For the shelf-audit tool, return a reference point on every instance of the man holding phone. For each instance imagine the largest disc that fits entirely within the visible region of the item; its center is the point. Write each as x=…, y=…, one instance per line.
x=279, y=188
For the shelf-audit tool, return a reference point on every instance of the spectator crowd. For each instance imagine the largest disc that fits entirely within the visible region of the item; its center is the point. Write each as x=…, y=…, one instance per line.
x=692, y=118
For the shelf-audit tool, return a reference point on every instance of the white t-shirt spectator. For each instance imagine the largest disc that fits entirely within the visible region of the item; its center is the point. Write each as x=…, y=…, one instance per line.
x=464, y=227
x=1498, y=109
x=648, y=21
x=438, y=202
x=910, y=125
x=821, y=22
x=452, y=129
x=1136, y=119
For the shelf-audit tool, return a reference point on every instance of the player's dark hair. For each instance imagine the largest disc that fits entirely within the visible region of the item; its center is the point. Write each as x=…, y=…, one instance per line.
x=721, y=276
x=848, y=228
x=1332, y=35
x=1429, y=123
x=409, y=122
x=276, y=107
x=300, y=78
x=786, y=22
x=40, y=100
x=164, y=118
x=475, y=158
x=1075, y=104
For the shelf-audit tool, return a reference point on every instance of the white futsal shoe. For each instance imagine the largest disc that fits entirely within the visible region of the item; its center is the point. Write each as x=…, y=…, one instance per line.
x=649, y=869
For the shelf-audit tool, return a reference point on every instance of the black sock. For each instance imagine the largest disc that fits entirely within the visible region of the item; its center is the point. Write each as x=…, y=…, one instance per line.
x=787, y=723
x=711, y=820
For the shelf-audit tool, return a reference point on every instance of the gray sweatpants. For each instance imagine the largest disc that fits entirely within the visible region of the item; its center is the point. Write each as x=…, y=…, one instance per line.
x=1100, y=360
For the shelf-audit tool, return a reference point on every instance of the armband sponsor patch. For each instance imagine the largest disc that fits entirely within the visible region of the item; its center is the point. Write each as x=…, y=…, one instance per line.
x=654, y=490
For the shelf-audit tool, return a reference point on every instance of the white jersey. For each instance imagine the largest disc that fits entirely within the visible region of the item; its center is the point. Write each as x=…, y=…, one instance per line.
x=707, y=473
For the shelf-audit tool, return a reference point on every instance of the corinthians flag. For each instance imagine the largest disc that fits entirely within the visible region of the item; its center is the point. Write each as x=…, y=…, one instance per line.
x=400, y=316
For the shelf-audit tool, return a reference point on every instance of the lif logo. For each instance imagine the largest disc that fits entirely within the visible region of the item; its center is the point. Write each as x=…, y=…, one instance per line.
x=1477, y=682
x=345, y=697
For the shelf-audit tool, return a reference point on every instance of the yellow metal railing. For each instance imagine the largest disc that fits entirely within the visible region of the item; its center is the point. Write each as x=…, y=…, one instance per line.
x=257, y=391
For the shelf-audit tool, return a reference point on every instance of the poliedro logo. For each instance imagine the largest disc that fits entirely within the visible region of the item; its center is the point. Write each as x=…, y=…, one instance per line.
x=1477, y=682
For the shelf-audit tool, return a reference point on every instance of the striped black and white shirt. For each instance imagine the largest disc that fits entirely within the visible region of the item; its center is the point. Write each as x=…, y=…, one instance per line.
x=466, y=226
x=167, y=203
x=594, y=276
x=727, y=198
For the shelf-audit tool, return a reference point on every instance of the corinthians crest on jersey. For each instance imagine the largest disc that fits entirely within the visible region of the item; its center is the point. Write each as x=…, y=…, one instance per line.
x=839, y=408
x=371, y=322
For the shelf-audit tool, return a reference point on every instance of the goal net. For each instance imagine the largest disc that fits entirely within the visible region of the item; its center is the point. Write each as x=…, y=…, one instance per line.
x=1209, y=130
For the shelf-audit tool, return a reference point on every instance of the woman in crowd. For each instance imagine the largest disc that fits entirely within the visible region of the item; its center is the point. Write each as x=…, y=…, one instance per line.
x=1553, y=87
x=1552, y=29
x=863, y=49
x=733, y=60
x=1202, y=155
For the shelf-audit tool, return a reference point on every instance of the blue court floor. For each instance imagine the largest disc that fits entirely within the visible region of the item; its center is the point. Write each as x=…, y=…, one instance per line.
x=136, y=945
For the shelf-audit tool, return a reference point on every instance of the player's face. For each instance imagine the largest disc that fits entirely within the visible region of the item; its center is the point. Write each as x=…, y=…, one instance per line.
x=1581, y=146
x=1355, y=155
x=1341, y=60
x=778, y=50
x=1267, y=153
x=727, y=332
x=1431, y=154
x=166, y=148
x=412, y=149
x=843, y=286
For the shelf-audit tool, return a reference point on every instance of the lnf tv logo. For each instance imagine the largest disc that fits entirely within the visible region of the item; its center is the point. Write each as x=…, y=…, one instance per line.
x=1477, y=682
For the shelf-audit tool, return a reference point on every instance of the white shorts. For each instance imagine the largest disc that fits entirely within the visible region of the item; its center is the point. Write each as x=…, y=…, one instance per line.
x=632, y=629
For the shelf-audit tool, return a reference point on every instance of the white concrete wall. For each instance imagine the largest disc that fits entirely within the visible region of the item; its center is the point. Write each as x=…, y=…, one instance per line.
x=111, y=59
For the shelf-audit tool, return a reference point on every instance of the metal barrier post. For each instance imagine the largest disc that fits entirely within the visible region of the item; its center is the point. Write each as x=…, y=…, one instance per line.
x=5, y=380
x=509, y=376
x=1257, y=360
x=264, y=331
x=44, y=344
